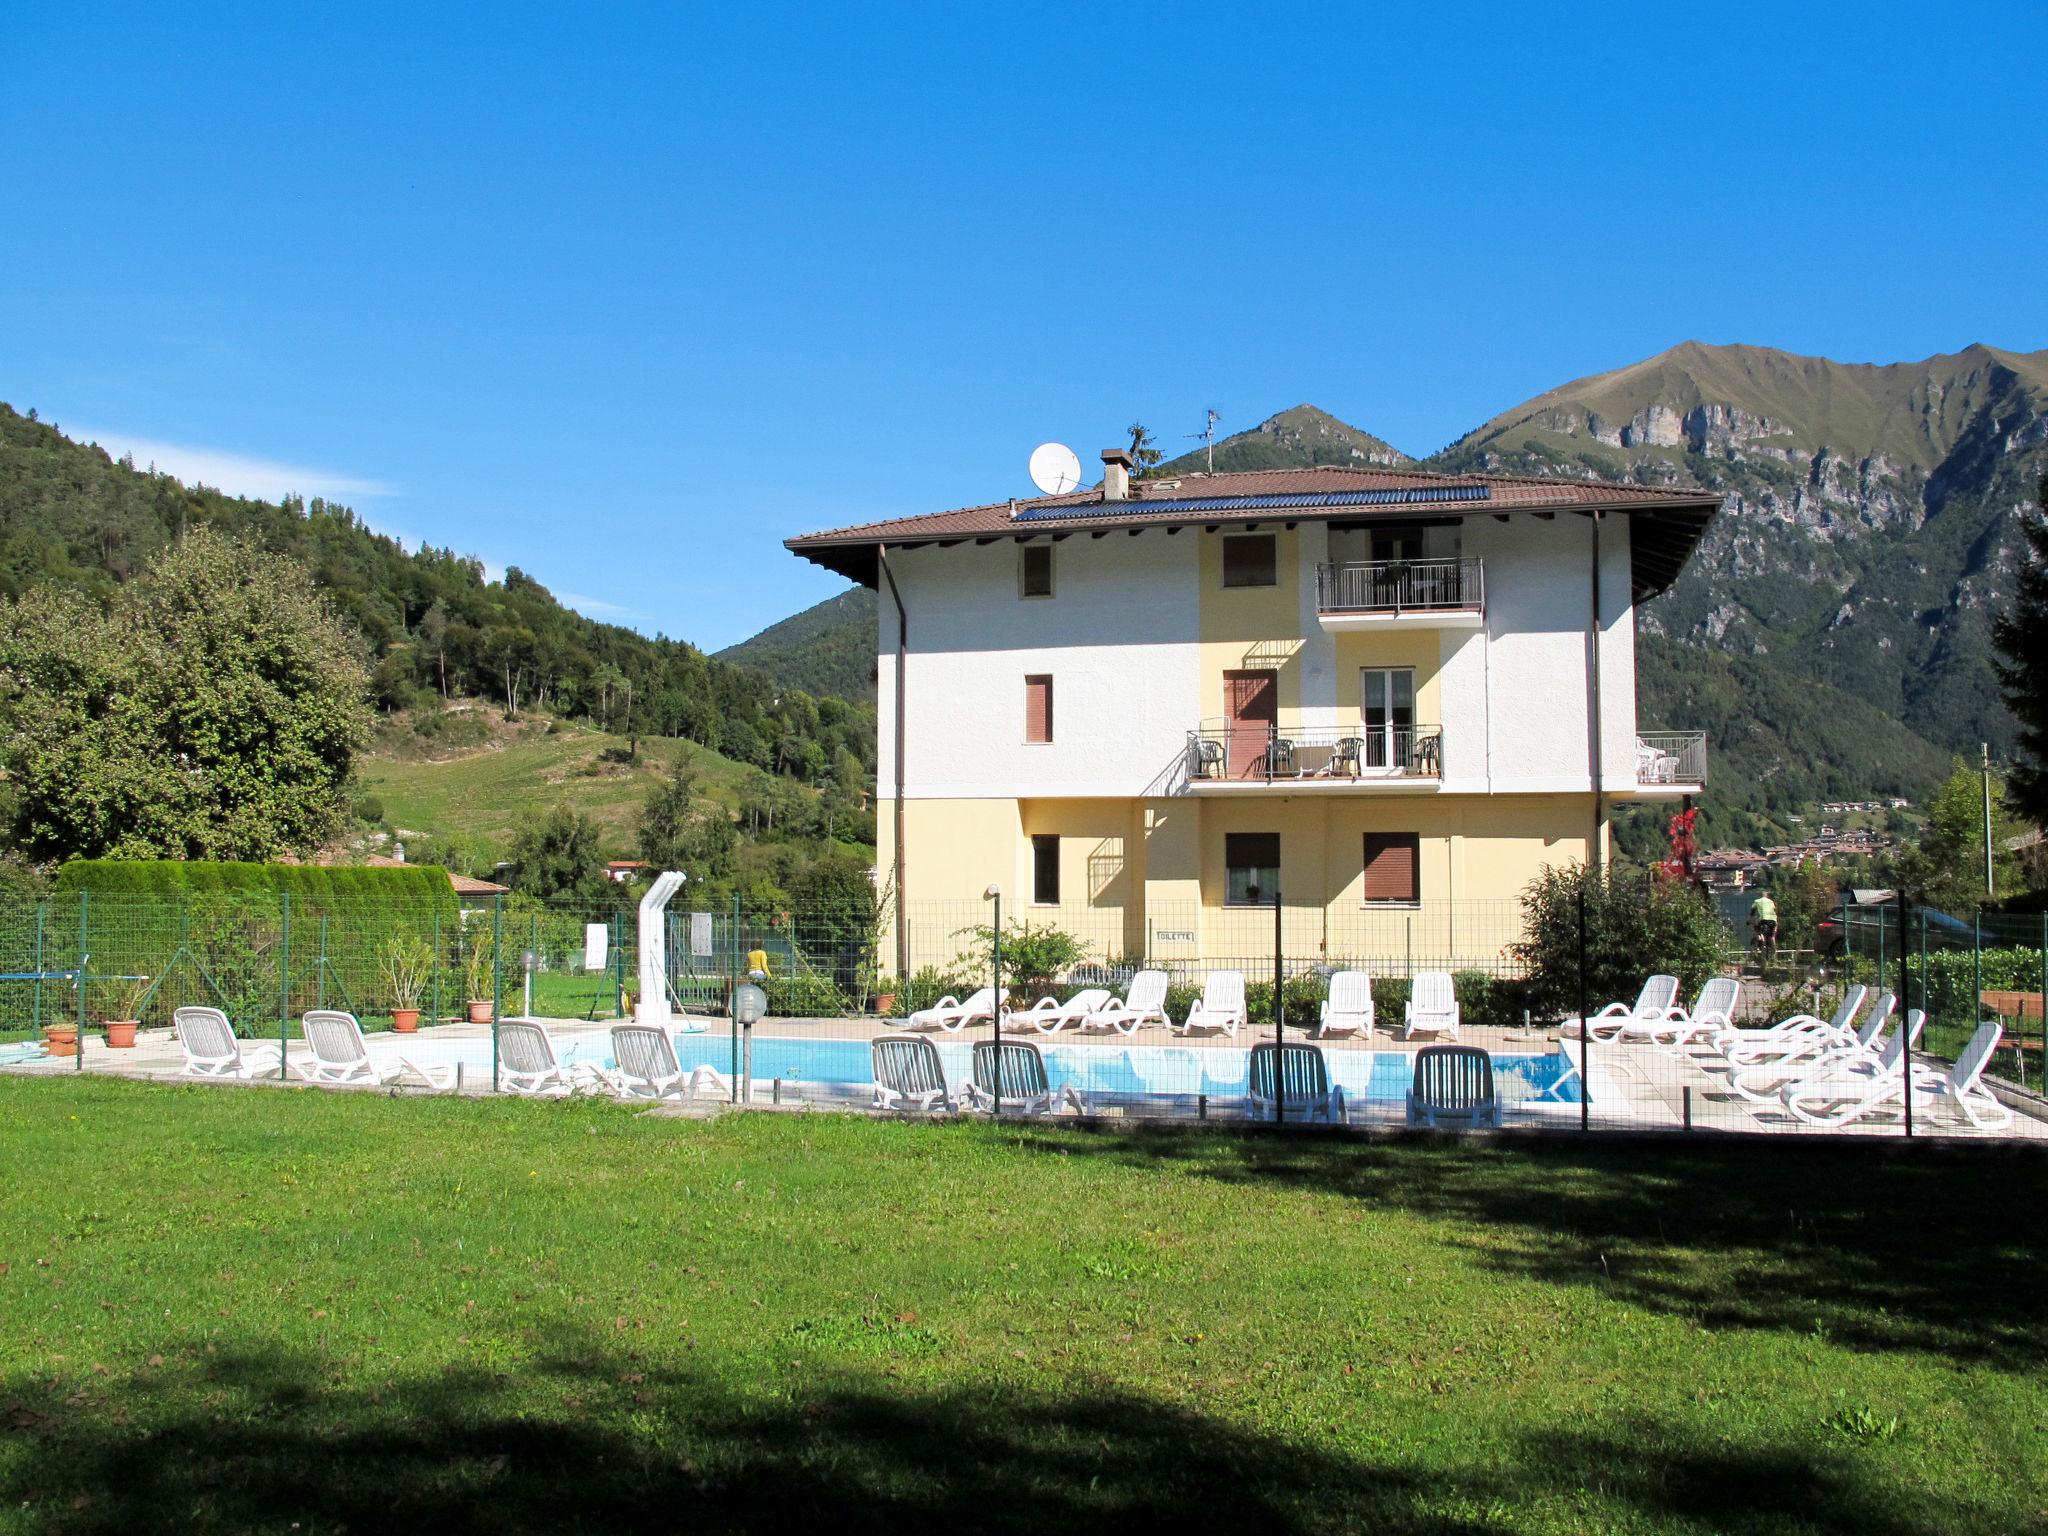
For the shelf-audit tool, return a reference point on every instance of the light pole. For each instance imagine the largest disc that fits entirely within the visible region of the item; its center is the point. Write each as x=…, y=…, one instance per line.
x=995, y=894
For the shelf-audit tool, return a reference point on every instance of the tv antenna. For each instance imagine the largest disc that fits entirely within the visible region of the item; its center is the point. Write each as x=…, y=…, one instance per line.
x=1207, y=437
x=1055, y=469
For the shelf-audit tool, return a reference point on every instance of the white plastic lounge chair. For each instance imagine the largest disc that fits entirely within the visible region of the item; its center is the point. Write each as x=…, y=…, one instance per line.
x=1653, y=1005
x=1026, y=1090
x=1453, y=1088
x=1051, y=1015
x=1221, y=1007
x=1432, y=1007
x=950, y=1014
x=1574, y=1054
x=647, y=1067
x=1763, y=1078
x=908, y=1076
x=1305, y=1091
x=341, y=1056
x=1713, y=1009
x=1802, y=1031
x=1143, y=1003
x=1348, y=1008
x=212, y=1049
x=1840, y=1098
x=528, y=1065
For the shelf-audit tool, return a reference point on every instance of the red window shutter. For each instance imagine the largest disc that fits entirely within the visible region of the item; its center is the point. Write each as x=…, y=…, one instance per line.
x=1038, y=707
x=1392, y=861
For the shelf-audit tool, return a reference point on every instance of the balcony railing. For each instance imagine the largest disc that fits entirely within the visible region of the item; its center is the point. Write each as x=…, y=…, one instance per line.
x=1401, y=586
x=1671, y=757
x=1261, y=754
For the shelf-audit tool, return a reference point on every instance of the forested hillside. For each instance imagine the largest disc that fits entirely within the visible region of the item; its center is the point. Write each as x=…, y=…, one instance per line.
x=829, y=648
x=433, y=628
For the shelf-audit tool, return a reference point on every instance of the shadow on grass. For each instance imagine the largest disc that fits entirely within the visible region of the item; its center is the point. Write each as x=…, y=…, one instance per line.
x=1881, y=1247
x=266, y=1441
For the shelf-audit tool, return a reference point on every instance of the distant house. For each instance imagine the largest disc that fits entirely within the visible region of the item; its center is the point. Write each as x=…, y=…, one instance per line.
x=620, y=871
x=468, y=892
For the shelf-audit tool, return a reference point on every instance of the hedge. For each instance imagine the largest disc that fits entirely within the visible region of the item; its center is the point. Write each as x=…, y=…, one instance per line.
x=412, y=885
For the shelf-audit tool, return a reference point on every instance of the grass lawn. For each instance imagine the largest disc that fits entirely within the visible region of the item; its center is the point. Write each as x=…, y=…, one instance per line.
x=239, y=1309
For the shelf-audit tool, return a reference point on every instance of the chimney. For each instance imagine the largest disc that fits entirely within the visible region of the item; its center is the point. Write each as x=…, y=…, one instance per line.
x=1116, y=474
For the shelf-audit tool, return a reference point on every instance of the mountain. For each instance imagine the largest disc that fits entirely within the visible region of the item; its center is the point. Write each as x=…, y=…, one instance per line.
x=828, y=648
x=1871, y=527
x=1294, y=439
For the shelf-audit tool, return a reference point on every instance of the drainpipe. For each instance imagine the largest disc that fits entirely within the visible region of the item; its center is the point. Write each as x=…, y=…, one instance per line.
x=1598, y=859
x=902, y=648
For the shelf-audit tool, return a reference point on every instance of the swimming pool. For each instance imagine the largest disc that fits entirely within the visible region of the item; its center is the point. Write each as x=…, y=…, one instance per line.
x=1088, y=1067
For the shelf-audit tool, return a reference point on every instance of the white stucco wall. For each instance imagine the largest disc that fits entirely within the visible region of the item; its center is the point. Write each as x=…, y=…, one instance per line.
x=1118, y=637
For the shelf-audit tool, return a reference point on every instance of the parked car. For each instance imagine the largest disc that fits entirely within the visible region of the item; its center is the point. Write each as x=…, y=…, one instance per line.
x=1865, y=929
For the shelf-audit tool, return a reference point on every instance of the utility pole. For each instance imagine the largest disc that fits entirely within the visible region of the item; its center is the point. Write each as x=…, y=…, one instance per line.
x=1990, y=880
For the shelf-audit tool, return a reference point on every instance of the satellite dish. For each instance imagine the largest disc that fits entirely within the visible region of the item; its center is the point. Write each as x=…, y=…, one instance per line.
x=1055, y=469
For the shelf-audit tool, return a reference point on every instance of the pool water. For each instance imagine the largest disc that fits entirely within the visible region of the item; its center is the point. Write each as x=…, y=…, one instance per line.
x=1089, y=1068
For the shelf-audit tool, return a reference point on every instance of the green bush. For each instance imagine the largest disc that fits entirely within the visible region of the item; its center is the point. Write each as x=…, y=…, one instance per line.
x=807, y=995
x=1033, y=954
x=1634, y=929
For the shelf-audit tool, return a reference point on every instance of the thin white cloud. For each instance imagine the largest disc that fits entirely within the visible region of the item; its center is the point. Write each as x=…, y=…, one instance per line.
x=238, y=474
x=598, y=608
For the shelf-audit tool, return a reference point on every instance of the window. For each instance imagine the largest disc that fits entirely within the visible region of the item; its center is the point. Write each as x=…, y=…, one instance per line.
x=1388, y=707
x=1251, y=560
x=1251, y=862
x=1392, y=868
x=1038, y=707
x=1397, y=543
x=1045, y=871
x=1034, y=570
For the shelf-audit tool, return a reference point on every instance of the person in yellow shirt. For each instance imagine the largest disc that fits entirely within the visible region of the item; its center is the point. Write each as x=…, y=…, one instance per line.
x=757, y=960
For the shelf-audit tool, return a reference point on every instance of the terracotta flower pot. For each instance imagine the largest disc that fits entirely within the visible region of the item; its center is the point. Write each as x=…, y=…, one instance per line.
x=405, y=1020
x=60, y=1039
x=885, y=1002
x=479, y=1010
x=121, y=1034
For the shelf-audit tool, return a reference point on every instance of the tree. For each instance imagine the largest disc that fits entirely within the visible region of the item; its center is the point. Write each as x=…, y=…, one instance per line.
x=2022, y=636
x=558, y=858
x=1947, y=869
x=1633, y=928
x=675, y=835
x=1144, y=455
x=213, y=710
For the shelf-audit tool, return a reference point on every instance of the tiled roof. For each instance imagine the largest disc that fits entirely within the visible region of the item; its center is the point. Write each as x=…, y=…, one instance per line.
x=1159, y=503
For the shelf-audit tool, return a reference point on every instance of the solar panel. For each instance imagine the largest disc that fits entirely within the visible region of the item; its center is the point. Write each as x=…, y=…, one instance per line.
x=1395, y=496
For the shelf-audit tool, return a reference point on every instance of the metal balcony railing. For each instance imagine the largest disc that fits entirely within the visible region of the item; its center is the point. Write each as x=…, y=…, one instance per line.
x=1671, y=757
x=1401, y=586
x=1263, y=754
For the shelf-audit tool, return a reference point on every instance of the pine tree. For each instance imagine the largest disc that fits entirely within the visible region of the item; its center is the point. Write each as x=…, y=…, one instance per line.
x=1144, y=454
x=2022, y=636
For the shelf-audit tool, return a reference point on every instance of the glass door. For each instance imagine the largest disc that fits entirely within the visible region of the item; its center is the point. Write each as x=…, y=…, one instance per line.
x=1389, y=708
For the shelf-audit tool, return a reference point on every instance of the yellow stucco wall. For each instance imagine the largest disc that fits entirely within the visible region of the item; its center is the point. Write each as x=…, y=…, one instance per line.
x=1421, y=649
x=1238, y=624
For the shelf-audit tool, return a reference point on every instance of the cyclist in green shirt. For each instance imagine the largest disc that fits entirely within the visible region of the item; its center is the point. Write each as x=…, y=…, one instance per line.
x=1763, y=922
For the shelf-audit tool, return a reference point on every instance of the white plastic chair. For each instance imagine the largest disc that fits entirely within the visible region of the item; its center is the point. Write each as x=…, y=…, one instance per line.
x=1842, y=1096
x=1143, y=1003
x=1432, y=1007
x=1348, y=1008
x=909, y=1078
x=646, y=1067
x=950, y=1014
x=528, y=1065
x=1051, y=1015
x=212, y=1049
x=1221, y=1007
x=340, y=1055
x=1653, y=1006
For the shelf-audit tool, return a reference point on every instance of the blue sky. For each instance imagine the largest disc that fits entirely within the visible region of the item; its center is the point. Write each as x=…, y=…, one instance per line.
x=626, y=298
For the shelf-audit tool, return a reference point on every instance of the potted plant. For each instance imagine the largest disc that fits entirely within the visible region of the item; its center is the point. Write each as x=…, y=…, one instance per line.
x=885, y=994
x=476, y=971
x=408, y=964
x=124, y=1006
x=60, y=1039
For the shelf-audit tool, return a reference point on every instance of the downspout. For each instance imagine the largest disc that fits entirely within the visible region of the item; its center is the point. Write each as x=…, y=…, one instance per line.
x=1598, y=859
x=902, y=648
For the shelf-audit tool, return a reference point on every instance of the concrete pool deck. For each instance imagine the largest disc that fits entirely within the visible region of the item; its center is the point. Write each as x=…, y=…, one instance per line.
x=1634, y=1087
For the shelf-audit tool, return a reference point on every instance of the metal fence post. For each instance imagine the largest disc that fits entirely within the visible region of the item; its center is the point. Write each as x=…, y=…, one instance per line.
x=1905, y=991
x=320, y=968
x=1585, y=1049
x=497, y=978
x=42, y=919
x=84, y=952
x=284, y=977
x=435, y=1016
x=618, y=968
x=1976, y=966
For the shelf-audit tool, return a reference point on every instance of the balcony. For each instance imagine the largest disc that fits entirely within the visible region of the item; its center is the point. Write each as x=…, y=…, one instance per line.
x=1671, y=762
x=1402, y=594
x=1232, y=759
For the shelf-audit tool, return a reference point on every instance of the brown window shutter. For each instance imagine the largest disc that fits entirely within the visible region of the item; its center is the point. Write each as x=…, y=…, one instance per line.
x=1251, y=560
x=1038, y=707
x=1392, y=866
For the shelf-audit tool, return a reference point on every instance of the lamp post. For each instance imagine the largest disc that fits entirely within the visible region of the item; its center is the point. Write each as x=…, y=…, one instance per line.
x=995, y=894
